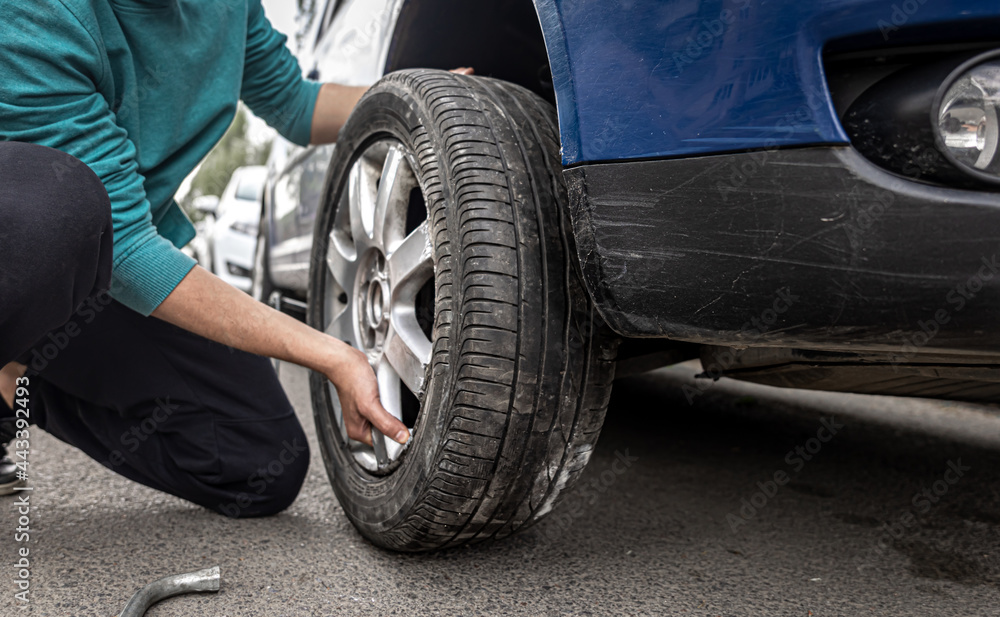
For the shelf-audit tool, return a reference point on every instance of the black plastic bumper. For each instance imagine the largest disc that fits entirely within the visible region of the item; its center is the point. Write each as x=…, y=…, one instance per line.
x=810, y=248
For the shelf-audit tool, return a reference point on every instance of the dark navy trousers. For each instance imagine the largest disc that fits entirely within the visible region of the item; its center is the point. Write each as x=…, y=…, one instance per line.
x=154, y=403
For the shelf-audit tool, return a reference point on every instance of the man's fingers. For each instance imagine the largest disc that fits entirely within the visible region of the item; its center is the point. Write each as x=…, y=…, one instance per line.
x=386, y=423
x=465, y=70
x=360, y=431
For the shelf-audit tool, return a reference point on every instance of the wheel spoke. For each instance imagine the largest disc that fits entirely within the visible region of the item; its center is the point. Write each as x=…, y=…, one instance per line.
x=342, y=326
x=389, y=392
x=361, y=196
x=389, y=388
x=408, y=350
x=343, y=267
x=392, y=200
x=406, y=345
x=411, y=263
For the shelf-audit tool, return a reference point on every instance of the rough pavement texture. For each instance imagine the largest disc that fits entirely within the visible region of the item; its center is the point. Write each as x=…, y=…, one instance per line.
x=651, y=538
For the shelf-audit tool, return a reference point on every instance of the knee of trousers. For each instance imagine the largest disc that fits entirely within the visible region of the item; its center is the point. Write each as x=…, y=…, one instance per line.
x=57, y=240
x=274, y=473
x=60, y=198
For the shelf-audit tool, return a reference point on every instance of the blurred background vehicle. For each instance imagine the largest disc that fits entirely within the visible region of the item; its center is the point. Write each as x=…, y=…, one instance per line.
x=231, y=234
x=201, y=248
x=345, y=42
x=232, y=170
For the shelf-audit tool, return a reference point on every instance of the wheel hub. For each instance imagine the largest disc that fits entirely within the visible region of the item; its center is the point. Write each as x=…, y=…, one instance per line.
x=376, y=310
x=374, y=316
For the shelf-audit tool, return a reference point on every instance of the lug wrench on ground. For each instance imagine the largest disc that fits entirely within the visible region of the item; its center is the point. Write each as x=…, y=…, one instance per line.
x=192, y=582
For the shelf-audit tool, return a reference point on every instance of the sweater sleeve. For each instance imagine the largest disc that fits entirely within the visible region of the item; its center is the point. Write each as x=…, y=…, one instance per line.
x=273, y=86
x=50, y=71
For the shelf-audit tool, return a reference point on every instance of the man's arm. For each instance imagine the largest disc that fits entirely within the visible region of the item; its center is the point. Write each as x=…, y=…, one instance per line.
x=204, y=304
x=334, y=105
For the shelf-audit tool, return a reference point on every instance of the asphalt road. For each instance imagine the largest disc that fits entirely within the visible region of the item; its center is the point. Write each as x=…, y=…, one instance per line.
x=667, y=534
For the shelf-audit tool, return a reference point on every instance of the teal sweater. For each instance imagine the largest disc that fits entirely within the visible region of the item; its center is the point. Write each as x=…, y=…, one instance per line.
x=140, y=91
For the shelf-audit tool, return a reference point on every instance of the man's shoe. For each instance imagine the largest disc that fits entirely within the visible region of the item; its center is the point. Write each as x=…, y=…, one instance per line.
x=8, y=428
x=8, y=475
x=8, y=470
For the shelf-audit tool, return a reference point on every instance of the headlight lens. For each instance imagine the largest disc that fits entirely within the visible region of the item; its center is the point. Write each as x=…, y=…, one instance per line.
x=249, y=229
x=236, y=270
x=967, y=120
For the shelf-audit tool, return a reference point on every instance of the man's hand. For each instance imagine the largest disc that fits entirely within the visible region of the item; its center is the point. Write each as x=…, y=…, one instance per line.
x=205, y=305
x=359, y=401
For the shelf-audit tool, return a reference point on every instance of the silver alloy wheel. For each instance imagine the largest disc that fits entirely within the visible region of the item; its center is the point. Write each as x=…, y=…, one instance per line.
x=375, y=299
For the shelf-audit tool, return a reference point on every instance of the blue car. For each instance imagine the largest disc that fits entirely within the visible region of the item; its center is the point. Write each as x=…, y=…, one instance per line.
x=800, y=194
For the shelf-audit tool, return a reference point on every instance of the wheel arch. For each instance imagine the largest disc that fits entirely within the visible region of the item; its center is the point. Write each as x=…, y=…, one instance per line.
x=521, y=41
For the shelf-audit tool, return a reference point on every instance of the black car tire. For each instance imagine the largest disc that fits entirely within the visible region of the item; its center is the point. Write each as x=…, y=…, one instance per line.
x=521, y=371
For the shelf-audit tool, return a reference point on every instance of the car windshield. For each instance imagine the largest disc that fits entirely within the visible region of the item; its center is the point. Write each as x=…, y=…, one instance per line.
x=250, y=188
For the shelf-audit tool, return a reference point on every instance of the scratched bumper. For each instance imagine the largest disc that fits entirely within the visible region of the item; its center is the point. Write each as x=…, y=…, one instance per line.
x=702, y=250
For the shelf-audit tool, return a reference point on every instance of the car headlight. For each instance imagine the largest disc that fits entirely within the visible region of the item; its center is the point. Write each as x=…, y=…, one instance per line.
x=237, y=270
x=936, y=122
x=968, y=130
x=249, y=229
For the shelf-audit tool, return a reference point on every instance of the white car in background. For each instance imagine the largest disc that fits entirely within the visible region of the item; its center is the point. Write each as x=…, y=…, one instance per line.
x=233, y=235
x=199, y=248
